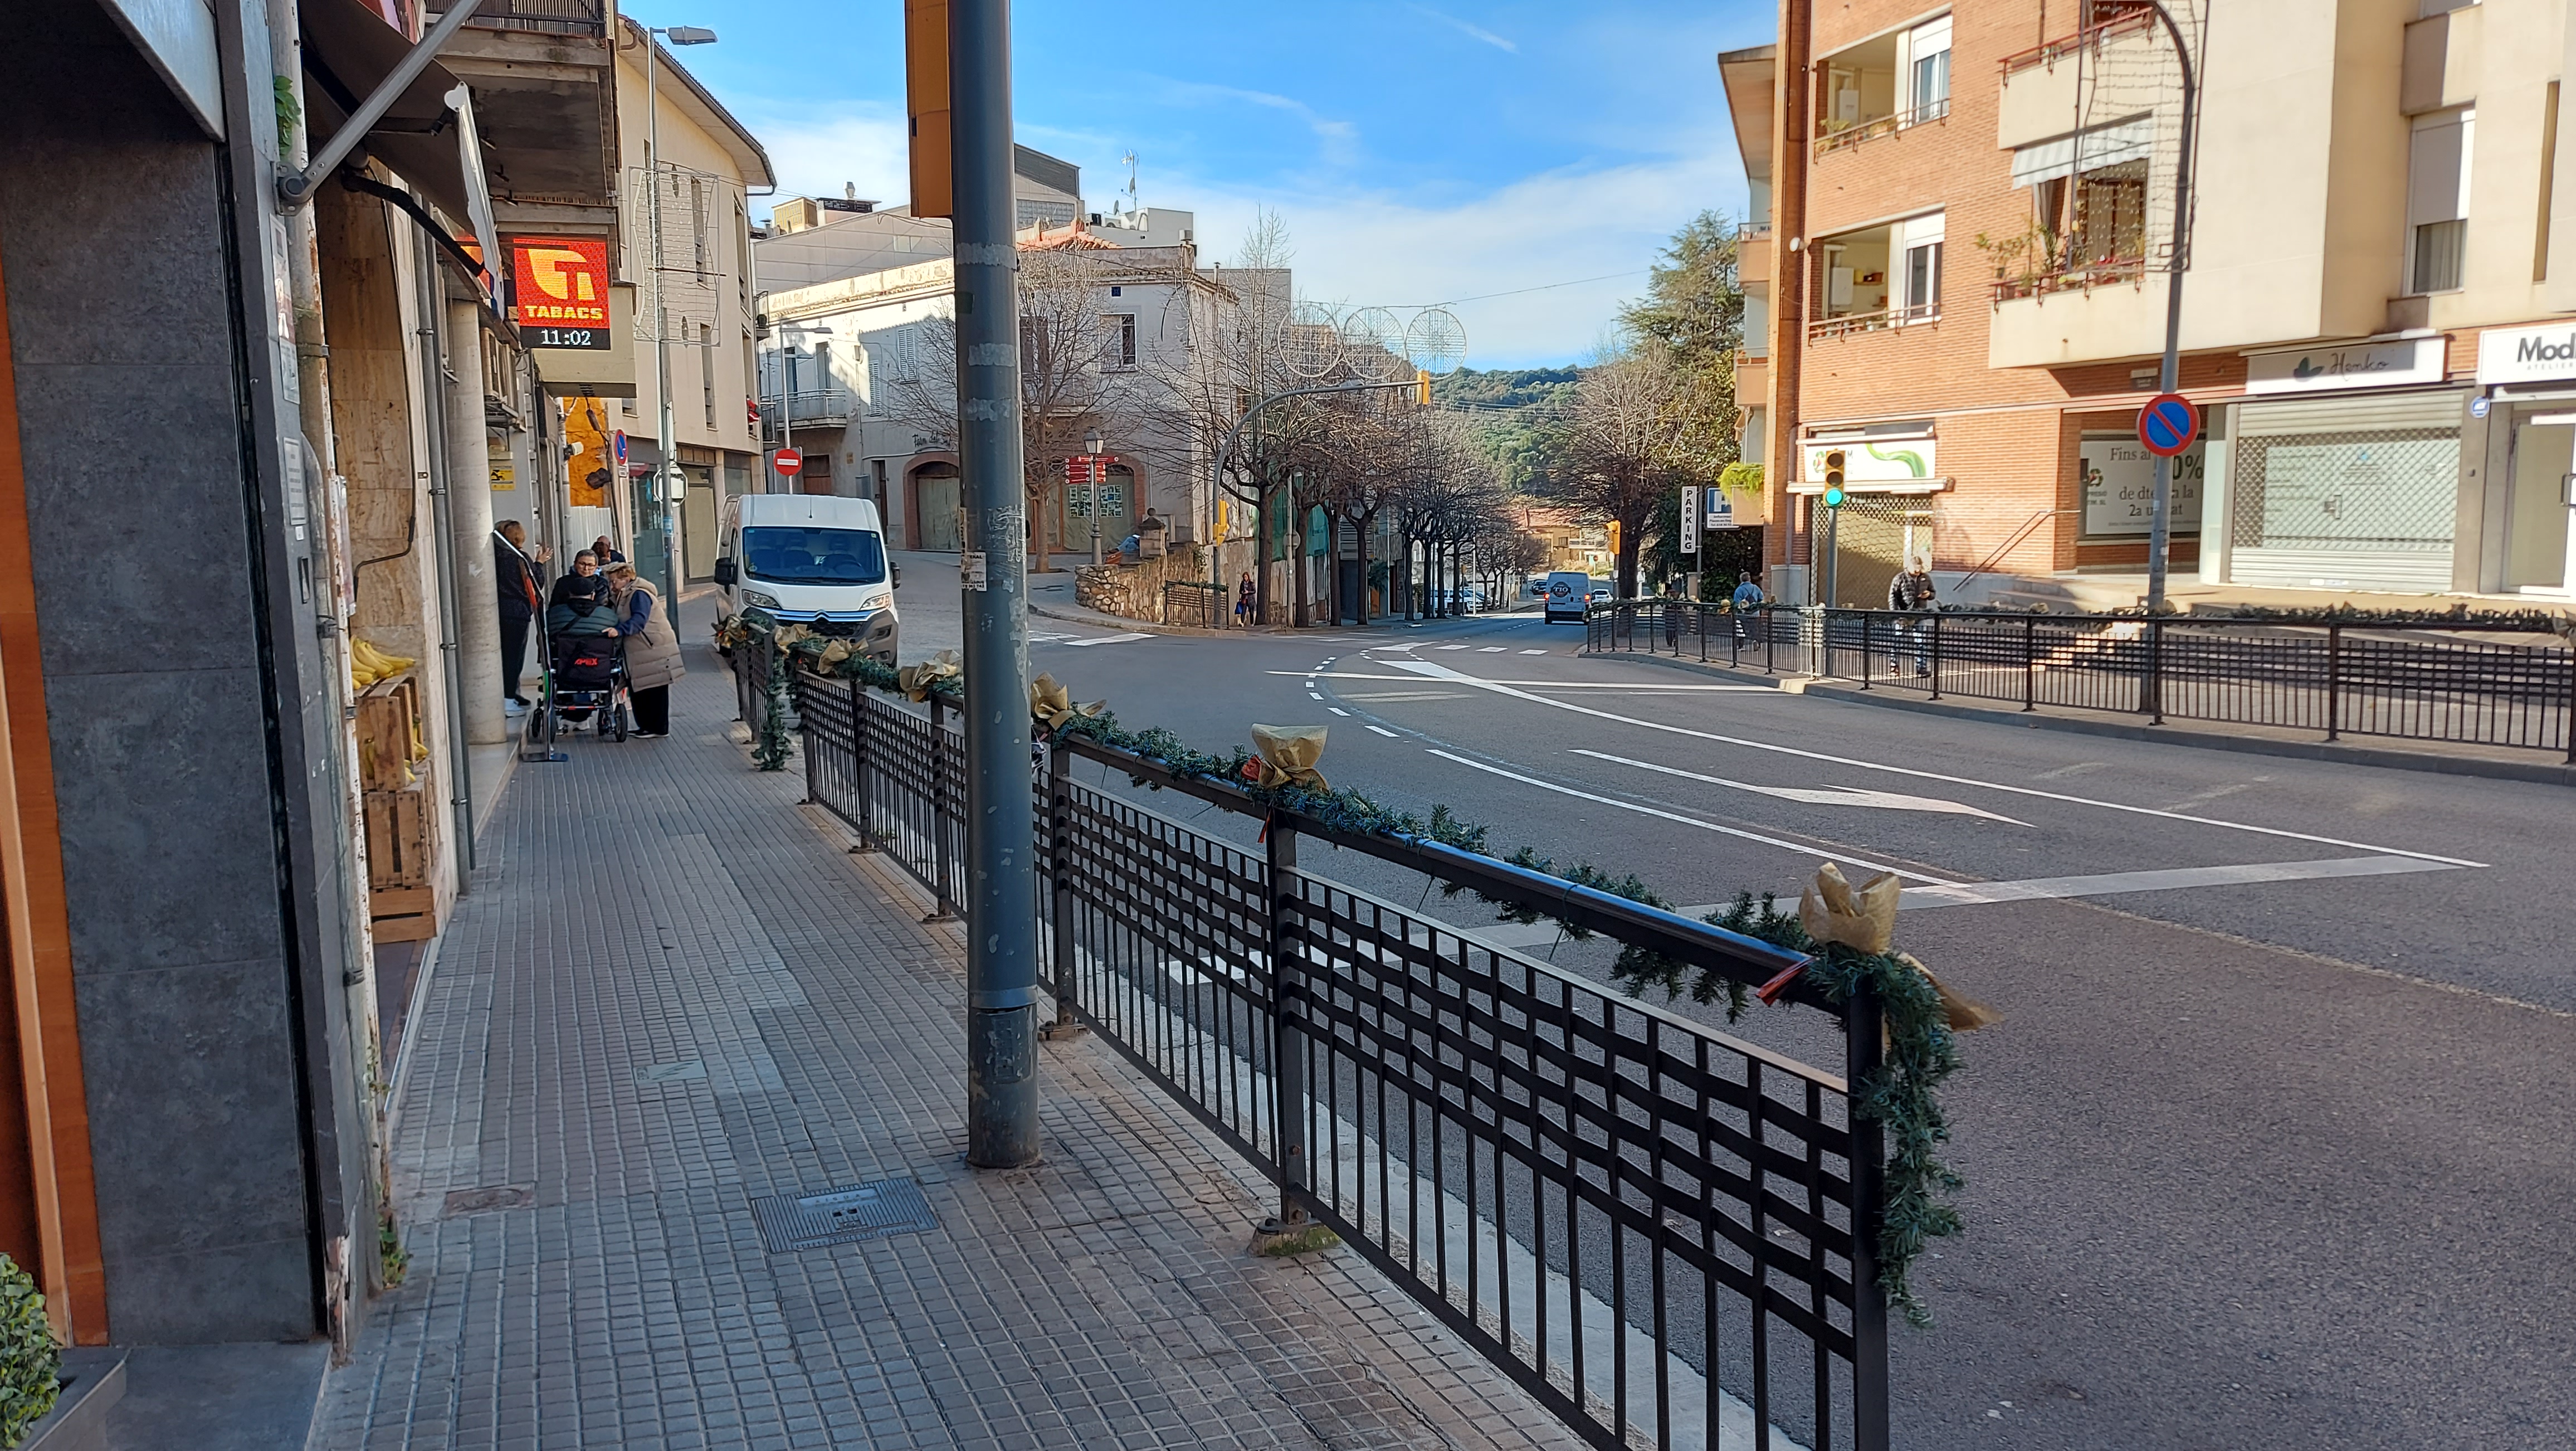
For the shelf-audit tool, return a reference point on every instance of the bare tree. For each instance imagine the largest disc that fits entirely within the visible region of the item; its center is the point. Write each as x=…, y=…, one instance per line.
x=1623, y=449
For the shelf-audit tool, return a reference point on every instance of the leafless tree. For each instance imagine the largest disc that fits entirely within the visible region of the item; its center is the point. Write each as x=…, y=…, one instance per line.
x=1624, y=450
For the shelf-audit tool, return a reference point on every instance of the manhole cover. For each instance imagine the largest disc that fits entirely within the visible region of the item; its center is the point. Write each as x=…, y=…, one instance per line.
x=490, y=1197
x=843, y=1216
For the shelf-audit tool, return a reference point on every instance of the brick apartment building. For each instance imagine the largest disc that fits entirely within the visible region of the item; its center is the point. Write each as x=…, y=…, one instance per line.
x=1955, y=266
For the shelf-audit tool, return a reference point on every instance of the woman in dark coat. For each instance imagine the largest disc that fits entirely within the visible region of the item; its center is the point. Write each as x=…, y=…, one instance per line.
x=652, y=649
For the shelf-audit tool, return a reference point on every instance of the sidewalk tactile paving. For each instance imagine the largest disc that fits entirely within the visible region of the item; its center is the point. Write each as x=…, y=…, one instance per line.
x=672, y=994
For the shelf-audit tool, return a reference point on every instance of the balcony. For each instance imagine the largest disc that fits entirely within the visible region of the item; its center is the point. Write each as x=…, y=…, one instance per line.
x=543, y=17
x=814, y=407
x=1834, y=136
x=545, y=103
x=1752, y=256
x=2109, y=19
x=1851, y=323
x=1752, y=378
x=2124, y=272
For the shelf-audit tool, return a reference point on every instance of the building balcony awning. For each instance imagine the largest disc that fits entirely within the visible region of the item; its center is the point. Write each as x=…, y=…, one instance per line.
x=2130, y=140
x=426, y=136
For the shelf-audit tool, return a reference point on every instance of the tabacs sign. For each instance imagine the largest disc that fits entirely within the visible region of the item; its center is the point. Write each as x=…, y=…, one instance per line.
x=559, y=291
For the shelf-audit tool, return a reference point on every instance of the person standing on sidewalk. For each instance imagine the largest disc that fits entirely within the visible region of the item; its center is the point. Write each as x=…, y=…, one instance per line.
x=1910, y=593
x=1243, y=603
x=1747, y=598
x=515, y=567
x=652, y=649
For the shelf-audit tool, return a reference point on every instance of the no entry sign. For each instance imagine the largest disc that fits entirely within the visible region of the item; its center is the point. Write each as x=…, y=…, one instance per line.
x=2168, y=424
x=787, y=461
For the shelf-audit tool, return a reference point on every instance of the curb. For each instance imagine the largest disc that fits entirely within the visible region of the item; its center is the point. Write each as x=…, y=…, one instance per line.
x=2543, y=773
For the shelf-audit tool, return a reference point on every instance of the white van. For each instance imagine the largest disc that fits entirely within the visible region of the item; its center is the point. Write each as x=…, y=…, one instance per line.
x=809, y=559
x=1568, y=591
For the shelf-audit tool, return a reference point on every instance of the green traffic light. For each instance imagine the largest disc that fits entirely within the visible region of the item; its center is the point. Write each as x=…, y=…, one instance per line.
x=1834, y=496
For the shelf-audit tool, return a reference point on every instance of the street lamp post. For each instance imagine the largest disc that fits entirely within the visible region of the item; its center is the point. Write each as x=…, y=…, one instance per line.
x=666, y=466
x=1091, y=499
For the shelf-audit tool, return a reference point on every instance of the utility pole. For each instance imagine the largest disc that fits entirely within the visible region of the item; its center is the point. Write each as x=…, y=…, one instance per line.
x=1001, y=886
x=2169, y=375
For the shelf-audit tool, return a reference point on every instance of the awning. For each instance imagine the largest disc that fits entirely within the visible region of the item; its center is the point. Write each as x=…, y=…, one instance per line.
x=348, y=51
x=2130, y=140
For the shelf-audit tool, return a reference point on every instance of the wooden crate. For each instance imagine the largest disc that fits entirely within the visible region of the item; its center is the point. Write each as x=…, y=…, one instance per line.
x=397, y=838
x=404, y=914
x=388, y=718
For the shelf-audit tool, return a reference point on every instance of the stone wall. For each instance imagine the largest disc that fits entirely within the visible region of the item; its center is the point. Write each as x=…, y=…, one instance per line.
x=1136, y=590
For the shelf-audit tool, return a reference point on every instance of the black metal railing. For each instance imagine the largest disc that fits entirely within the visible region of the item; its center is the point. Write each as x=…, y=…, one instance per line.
x=1196, y=603
x=2458, y=684
x=544, y=17
x=1655, y=1228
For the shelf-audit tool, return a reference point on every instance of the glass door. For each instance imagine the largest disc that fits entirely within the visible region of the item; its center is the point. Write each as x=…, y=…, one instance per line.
x=2536, y=536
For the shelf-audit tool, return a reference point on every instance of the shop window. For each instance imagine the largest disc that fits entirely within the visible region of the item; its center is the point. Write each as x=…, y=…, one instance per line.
x=2437, y=200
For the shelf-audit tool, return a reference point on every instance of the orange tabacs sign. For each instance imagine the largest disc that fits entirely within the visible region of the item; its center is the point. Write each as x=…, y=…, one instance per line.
x=561, y=281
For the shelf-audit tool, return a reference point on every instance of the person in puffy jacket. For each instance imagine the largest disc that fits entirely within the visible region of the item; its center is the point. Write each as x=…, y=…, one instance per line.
x=583, y=589
x=652, y=649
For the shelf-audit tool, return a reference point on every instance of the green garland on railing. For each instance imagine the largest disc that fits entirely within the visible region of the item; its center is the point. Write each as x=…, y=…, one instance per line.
x=1902, y=1097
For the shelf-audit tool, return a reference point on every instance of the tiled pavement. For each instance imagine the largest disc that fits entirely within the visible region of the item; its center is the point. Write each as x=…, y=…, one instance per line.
x=672, y=993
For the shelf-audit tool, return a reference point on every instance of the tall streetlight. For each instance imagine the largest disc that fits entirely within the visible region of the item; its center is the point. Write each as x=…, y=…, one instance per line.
x=788, y=333
x=666, y=466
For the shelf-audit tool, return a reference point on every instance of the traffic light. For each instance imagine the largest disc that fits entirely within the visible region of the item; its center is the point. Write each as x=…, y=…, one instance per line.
x=1834, y=458
x=1614, y=536
x=1422, y=387
x=925, y=94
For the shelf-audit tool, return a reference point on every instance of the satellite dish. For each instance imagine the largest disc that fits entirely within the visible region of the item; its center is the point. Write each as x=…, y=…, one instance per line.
x=1436, y=341
x=1375, y=343
x=1312, y=342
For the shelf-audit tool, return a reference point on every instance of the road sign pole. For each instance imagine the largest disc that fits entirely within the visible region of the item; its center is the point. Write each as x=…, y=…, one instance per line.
x=1001, y=880
x=2169, y=375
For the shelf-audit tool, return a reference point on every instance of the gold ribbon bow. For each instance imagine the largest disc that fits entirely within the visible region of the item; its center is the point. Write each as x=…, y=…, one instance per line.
x=1863, y=918
x=1053, y=704
x=1288, y=755
x=916, y=680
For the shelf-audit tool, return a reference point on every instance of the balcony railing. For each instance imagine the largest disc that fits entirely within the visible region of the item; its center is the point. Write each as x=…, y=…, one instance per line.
x=1846, y=137
x=2114, y=19
x=810, y=405
x=1869, y=322
x=543, y=17
x=2073, y=279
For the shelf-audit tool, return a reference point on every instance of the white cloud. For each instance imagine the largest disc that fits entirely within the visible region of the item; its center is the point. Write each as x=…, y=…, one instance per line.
x=1340, y=139
x=1554, y=227
x=816, y=153
x=1477, y=32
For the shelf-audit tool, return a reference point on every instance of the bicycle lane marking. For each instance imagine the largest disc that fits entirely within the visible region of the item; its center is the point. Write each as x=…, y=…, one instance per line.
x=1441, y=672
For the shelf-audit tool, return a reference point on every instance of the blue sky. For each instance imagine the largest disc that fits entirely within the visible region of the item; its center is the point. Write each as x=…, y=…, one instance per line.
x=1419, y=154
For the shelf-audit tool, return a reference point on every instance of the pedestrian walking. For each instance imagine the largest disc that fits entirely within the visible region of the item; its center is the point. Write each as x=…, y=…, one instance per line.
x=515, y=569
x=652, y=649
x=1243, y=603
x=1748, y=597
x=1911, y=593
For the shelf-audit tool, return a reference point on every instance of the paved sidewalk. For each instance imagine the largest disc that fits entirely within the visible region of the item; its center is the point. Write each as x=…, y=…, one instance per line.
x=672, y=993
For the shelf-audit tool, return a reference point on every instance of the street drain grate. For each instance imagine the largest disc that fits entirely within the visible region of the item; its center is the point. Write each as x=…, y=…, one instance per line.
x=843, y=1216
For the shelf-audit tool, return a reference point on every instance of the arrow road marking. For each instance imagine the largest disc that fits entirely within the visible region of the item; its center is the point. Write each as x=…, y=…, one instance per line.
x=1800, y=847
x=1443, y=672
x=1818, y=796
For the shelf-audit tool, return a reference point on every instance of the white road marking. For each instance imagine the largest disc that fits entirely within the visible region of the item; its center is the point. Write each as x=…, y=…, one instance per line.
x=1491, y=649
x=1800, y=847
x=1450, y=647
x=1443, y=672
x=1533, y=652
x=1110, y=639
x=1971, y=894
x=1405, y=695
x=1337, y=710
x=1311, y=695
x=1655, y=688
x=1817, y=796
x=1390, y=735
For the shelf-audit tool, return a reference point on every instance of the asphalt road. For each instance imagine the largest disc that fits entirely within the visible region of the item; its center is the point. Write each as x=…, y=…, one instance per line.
x=2272, y=1148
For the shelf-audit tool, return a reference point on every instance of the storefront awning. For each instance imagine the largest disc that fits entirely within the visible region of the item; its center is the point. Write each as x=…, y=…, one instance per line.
x=2102, y=146
x=422, y=136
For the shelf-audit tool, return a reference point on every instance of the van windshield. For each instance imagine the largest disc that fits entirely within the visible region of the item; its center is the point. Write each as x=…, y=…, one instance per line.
x=790, y=555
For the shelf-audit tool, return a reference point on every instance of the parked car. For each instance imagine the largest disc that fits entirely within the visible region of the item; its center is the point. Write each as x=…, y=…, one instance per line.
x=809, y=559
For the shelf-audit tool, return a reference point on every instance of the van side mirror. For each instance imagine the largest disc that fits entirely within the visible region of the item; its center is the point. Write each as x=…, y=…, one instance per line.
x=724, y=572
x=897, y=574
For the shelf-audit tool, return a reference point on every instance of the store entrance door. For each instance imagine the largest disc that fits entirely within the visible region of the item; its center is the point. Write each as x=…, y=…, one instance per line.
x=2539, y=554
